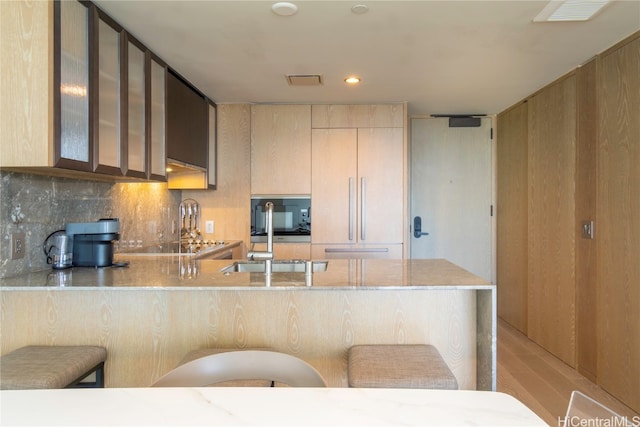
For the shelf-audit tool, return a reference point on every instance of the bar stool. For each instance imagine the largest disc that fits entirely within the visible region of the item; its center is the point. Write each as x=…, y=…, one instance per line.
x=37, y=367
x=197, y=354
x=399, y=366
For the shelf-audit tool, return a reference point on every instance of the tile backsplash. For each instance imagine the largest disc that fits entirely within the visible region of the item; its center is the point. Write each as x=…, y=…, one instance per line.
x=38, y=205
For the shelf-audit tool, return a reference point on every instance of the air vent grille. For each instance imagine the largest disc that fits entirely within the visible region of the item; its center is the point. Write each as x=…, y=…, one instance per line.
x=304, y=79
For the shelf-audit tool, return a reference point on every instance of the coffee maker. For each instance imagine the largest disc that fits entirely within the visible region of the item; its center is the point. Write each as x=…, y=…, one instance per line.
x=82, y=244
x=93, y=242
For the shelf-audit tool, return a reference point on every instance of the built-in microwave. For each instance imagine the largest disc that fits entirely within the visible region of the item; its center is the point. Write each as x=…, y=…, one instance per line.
x=291, y=218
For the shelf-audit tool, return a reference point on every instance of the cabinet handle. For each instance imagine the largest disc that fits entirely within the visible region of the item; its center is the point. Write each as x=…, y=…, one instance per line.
x=363, y=206
x=362, y=250
x=351, y=207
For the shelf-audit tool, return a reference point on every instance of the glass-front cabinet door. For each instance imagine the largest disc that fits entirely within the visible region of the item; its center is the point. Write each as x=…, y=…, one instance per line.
x=110, y=113
x=72, y=133
x=108, y=135
x=136, y=108
x=158, y=111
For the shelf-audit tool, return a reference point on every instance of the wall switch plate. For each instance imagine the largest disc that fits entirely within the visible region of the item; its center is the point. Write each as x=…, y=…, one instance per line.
x=587, y=230
x=208, y=228
x=17, y=245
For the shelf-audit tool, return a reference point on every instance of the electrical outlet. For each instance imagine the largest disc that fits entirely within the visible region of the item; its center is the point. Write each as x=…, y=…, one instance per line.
x=17, y=245
x=208, y=228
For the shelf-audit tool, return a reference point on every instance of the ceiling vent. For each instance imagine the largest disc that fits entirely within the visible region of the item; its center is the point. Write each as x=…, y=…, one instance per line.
x=304, y=79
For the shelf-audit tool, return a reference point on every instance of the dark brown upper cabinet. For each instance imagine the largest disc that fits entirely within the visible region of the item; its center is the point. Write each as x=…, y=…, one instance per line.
x=187, y=123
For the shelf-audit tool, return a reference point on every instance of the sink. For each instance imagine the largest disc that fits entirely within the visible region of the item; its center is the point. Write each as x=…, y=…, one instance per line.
x=277, y=266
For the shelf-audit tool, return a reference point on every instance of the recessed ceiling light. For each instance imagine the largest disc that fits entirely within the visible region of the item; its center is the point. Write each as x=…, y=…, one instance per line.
x=570, y=10
x=359, y=9
x=352, y=80
x=284, y=8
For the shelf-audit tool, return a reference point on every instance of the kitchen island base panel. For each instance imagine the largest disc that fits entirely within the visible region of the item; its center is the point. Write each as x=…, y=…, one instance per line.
x=148, y=331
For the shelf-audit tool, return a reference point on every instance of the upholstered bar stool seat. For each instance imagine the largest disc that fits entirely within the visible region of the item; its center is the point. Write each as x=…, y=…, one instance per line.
x=399, y=366
x=197, y=354
x=35, y=367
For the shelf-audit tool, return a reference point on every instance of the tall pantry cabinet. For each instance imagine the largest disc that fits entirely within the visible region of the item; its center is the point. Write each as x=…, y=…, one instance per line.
x=568, y=270
x=358, y=181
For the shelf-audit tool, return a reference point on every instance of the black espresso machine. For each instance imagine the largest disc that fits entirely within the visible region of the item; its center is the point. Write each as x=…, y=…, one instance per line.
x=93, y=242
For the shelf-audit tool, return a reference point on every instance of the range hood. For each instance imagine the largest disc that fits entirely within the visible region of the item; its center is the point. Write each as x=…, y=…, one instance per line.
x=184, y=176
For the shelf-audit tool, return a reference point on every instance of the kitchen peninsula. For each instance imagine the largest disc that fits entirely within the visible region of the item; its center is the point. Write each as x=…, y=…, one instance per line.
x=150, y=314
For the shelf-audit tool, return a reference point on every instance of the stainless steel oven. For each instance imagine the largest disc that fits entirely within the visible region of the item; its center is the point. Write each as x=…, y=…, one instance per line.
x=291, y=219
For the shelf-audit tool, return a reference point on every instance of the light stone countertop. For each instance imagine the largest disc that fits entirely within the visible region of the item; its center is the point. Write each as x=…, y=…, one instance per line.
x=182, y=272
x=262, y=406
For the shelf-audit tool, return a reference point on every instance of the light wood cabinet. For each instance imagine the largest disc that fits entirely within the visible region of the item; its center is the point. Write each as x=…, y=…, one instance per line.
x=281, y=149
x=357, y=187
x=332, y=116
x=334, y=180
x=618, y=223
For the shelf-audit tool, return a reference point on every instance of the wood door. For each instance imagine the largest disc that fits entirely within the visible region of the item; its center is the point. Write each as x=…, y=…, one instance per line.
x=380, y=177
x=617, y=230
x=451, y=180
x=551, y=224
x=511, y=217
x=333, y=185
x=281, y=149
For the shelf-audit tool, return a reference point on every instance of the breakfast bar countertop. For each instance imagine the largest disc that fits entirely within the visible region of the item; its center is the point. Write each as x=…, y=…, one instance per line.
x=263, y=406
x=176, y=272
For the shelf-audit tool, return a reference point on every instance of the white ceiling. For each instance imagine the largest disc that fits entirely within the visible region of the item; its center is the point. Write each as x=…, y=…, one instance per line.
x=442, y=57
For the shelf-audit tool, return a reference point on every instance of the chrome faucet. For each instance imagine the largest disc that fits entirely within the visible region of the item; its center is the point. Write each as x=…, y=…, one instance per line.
x=268, y=255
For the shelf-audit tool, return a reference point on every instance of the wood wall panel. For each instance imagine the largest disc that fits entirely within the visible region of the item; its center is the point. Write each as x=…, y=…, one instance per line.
x=512, y=216
x=551, y=223
x=618, y=223
x=586, y=324
x=26, y=83
x=147, y=332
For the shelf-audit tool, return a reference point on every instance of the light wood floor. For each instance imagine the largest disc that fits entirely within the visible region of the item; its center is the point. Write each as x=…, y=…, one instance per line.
x=540, y=380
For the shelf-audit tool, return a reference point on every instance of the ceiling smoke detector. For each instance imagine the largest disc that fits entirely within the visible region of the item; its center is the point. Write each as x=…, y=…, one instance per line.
x=304, y=79
x=359, y=9
x=284, y=8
